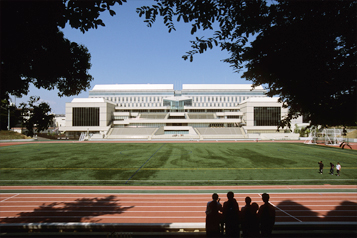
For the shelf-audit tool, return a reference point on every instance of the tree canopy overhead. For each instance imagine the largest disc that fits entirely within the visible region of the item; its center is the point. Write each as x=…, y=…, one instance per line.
x=303, y=51
x=34, y=50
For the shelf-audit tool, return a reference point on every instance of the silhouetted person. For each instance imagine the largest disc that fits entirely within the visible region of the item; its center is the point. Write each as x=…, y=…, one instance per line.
x=213, y=217
x=250, y=222
x=266, y=216
x=255, y=220
x=321, y=166
x=331, y=168
x=231, y=216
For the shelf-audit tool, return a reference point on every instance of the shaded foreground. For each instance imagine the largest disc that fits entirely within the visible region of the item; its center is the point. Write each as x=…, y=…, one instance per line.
x=164, y=212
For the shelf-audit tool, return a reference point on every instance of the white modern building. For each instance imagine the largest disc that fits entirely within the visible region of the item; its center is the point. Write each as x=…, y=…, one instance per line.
x=157, y=111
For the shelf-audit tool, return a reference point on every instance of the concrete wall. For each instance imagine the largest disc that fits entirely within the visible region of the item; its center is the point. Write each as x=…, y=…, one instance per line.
x=106, y=110
x=247, y=108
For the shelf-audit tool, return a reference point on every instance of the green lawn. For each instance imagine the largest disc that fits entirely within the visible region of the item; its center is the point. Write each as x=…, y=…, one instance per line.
x=173, y=164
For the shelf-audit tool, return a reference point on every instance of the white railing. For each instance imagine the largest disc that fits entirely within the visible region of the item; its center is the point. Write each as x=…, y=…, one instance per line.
x=83, y=135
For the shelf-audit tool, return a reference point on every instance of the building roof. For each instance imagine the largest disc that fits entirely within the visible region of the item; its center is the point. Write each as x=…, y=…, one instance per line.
x=91, y=100
x=133, y=87
x=180, y=98
x=261, y=99
x=219, y=87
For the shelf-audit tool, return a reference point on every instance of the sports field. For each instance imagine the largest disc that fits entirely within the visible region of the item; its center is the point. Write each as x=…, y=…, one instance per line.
x=174, y=164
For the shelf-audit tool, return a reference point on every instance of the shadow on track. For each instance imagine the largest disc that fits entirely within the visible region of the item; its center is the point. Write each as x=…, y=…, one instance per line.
x=81, y=210
x=339, y=222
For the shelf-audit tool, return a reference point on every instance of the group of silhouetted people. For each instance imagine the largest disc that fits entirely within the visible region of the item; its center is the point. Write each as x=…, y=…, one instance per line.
x=227, y=220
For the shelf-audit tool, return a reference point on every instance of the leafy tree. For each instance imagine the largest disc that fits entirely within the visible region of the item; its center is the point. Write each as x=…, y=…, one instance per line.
x=35, y=115
x=303, y=51
x=34, y=50
x=5, y=107
x=304, y=132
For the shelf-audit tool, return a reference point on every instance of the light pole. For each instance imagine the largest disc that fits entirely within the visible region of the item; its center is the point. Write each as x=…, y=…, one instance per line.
x=8, y=115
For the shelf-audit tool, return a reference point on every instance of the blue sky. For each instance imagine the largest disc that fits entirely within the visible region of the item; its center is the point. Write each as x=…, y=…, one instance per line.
x=126, y=51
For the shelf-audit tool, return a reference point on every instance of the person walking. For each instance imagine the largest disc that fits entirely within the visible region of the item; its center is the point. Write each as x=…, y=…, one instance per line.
x=231, y=216
x=338, y=168
x=213, y=217
x=266, y=216
x=321, y=166
x=331, y=168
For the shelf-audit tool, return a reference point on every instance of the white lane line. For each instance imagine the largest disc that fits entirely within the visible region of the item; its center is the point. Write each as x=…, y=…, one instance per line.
x=59, y=206
x=172, y=211
x=103, y=217
x=69, y=211
x=286, y=203
x=283, y=211
x=142, y=217
x=174, y=181
x=192, y=196
x=9, y=198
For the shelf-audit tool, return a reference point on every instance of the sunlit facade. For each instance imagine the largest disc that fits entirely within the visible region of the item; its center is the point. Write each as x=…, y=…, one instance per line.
x=170, y=112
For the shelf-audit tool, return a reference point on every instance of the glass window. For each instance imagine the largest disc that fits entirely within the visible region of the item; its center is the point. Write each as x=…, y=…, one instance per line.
x=267, y=116
x=85, y=116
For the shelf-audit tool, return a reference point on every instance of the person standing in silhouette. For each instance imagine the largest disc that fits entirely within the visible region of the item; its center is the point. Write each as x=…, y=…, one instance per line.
x=213, y=217
x=231, y=216
x=338, y=168
x=249, y=219
x=321, y=166
x=266, y=216
x=245, y=216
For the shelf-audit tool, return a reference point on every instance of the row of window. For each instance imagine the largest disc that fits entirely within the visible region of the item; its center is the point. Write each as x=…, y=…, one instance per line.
x=181, y=93
x=195, y=99
x=89, y=116
x=175, y=132
x=160, y=105
x=186, y=110
x=195, y=125
x=139, y=104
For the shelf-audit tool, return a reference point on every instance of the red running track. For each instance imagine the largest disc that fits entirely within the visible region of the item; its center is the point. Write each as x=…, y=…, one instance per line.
x=165, y=207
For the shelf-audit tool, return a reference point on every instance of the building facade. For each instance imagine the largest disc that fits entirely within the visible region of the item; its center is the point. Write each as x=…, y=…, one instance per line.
x=157, y=110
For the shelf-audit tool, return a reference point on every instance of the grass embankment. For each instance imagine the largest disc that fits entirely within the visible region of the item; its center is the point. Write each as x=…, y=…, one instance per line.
x=11, y=135
x=173, y=164
x=352, y=134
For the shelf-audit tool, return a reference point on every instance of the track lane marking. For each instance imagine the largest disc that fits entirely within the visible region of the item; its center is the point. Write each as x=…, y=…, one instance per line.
x=283, y=211
x=9, y=198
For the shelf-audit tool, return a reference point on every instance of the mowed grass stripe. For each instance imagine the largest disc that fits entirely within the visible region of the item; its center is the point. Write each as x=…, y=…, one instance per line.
x=173, y=180
x=168, y=191
x=276, y=163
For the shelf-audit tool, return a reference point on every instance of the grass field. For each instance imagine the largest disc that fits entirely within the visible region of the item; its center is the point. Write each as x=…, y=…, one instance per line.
x=173, y=164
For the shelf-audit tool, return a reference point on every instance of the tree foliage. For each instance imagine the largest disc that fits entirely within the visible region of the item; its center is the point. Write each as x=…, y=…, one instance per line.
x=5, y=110
x=303, y=51
x=35, y=115
x=34, y=50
